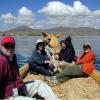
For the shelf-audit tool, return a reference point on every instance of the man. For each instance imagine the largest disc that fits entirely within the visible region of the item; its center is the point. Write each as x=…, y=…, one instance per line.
x=10, y=82
x=83, y=67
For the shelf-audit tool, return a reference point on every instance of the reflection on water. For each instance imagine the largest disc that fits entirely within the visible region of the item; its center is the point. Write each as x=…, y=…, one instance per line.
x=26, y=44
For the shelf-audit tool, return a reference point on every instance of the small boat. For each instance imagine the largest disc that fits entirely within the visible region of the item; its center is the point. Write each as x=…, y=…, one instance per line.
x=25, y=69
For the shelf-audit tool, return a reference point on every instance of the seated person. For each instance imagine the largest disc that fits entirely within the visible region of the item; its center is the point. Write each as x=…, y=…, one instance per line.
x=66, y=55
x=68, y=41
x=67, y=52
x=11, y=83
x=84, y=66
x=39, y=61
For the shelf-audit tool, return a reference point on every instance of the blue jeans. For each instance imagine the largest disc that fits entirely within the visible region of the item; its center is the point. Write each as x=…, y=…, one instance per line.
x=41, y=70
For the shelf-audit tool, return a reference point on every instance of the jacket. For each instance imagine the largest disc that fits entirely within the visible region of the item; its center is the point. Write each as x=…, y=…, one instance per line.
x=37, y=59
x=88, y=62
x=9, y=77
x=67, y=55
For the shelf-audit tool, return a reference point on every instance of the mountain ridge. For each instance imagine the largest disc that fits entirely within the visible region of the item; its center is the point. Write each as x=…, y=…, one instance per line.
x=24, y=30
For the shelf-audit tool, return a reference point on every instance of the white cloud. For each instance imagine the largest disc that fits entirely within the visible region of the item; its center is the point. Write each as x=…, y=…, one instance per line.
x=8, y=18
x=25, y=12
x=57, y=14
x=77, y=15
x=96, y=13
x=25, y=16
x=56, y=8
x=80, y=10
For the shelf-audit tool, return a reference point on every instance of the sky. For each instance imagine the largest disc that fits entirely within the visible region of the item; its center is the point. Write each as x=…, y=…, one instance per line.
x=49, y=13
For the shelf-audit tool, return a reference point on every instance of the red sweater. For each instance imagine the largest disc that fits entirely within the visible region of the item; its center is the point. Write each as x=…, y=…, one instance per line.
x=9, y=77
x=88, y=62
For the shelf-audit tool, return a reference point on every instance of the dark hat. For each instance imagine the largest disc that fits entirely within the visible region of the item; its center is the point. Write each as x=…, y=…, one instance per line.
x=68, y=39
x=86, y=45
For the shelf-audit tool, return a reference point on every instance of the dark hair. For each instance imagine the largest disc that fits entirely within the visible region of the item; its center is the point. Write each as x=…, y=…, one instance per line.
x=86, y=46
x=62, y=41
x=69, y=44
x=40, y=44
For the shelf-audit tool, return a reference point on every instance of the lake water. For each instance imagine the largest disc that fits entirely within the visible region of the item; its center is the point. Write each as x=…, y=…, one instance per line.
x=26, y=44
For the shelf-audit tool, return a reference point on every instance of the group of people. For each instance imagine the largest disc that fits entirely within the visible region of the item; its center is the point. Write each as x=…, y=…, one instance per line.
x=64, y=67
x=67, y=64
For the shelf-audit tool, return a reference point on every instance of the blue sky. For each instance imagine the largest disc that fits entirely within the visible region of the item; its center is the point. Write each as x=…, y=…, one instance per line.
x=49, y=13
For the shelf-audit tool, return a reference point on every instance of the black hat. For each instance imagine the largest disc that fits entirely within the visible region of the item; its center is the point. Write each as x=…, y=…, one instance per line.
x=68, y=39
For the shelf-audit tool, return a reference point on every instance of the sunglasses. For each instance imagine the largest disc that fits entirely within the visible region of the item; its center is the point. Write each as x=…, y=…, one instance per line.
x=9, y=46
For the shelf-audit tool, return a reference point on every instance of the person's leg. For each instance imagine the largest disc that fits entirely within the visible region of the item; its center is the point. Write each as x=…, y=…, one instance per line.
x=63, y=64
x=60, y=65
x=42, y=70
x=42, y=89
x=70, y=72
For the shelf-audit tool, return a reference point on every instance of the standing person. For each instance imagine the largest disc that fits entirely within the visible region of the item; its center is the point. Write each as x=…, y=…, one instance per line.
x=48, y=48
x=10, y=82
x=84, y=66
x=50, y=54
x=39, y=61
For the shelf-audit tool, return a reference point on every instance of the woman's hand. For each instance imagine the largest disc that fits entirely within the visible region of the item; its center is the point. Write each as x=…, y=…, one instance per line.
x=48, y=62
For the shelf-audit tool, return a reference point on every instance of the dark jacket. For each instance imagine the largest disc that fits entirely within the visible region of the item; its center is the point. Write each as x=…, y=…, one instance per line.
x=67, y=55
x=9, y=77
x=37, y=59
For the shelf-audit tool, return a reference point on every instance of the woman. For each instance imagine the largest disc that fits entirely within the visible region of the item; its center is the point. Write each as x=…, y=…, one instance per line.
x=67, y=52
x=66, y=55
x=39, y=61
x=11, y=83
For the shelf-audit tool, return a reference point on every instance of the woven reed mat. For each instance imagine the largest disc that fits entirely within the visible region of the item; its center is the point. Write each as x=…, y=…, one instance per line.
x=74, y=89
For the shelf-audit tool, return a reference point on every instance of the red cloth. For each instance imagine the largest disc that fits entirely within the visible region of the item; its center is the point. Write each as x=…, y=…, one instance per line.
x=9, y=77
x=8, y=39
x=88, y=62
